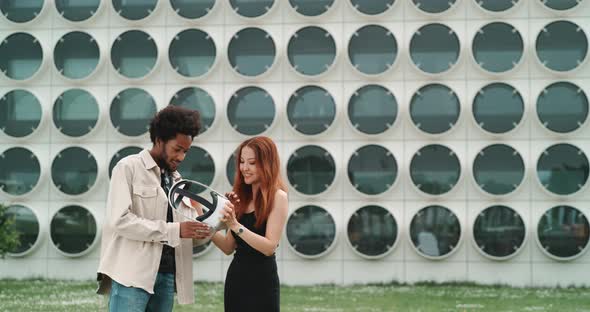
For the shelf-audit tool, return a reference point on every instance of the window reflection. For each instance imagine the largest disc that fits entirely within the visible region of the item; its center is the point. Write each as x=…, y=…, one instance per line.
x=74, y=170
x=563, y=169
x=434, y=48
x=435, y=108
x=311, y=170
x=251, y=52
x=251, y=110
x=73, y=229
x=562, y=46
x=435, y=231
x=311, y=51
x=311, y=110
x=562, y=107
x=20, y=113
x=563, y=231
x=311, y=230
x=498, y=108
x=372, y=169
x=20, y=171
x=499, y=231
x=435, y=169
x=498, y=169
x=26, y=225
x=372, y=109
x=372, y=230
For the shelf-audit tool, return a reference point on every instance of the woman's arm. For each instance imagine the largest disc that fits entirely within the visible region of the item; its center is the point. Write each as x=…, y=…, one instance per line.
x=274, y=226
x=225, y=242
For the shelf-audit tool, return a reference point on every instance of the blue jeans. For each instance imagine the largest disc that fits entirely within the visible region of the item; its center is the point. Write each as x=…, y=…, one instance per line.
x=131, y=299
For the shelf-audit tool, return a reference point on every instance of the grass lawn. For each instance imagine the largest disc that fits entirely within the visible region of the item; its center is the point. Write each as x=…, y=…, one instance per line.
x=48, y=295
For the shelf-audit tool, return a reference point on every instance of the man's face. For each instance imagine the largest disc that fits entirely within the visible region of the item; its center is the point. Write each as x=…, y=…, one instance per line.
x=172, y=153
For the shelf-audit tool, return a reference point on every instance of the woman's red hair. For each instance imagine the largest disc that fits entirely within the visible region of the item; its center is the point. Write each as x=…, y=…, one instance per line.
x=269, y=173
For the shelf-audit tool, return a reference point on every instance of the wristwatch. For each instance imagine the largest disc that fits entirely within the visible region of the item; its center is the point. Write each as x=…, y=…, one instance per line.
x=239, y=231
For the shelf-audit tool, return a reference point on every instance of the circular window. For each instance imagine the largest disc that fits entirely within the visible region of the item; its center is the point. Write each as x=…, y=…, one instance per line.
x=230, y=168
x=498, y=47
x=563, y=169
x=372, y=49
x=197, y=99
x=563, y=232
x=374, y=7
x=434, y=6
x=372, y=231
x=20, y=113
x=21, y=11
x=311, y=51
x=498, y=169
x=562, y=107
x=251, y=52
x=19, y=171
x=435, y=169
x=74, y=170
x=132, y=110
x=499, y=232
x=372, y=109
x=311, y=170
x=75, y=112
x=561, y=5
x=372, y=169
x=77, y=11
x=562, y=46
x=434, y=48
x=192, y=53
x=311, y=110
x=251, y=110
x=311, y=231
x=497, y=5
x=251, y=8
x=122, y=153
x=198, y=166
x=76, y=55
x=498, y=108
x=26, y=225
x=435, y=109
x=435, y=231
x=73, y=230
x=192, y=9
x=21, y=56
x=134, y=10
x=134, y=54
x=311, y=8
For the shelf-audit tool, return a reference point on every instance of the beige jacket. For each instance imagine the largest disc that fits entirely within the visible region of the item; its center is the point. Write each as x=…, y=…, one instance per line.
x=135, y=230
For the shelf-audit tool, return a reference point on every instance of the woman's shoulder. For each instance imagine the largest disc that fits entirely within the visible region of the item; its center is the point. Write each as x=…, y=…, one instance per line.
x=280, y=195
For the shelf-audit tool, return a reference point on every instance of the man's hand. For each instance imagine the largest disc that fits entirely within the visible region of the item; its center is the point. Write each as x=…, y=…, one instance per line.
x=194, y=229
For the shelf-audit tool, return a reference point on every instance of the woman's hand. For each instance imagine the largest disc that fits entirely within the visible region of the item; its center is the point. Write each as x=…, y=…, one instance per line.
x=229, y=215
x=233, y=198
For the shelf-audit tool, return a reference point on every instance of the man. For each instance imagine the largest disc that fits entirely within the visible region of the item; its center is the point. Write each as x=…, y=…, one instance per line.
x=146, y=251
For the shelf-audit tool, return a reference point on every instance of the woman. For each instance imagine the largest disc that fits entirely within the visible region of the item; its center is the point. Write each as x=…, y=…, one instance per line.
x=255, y=227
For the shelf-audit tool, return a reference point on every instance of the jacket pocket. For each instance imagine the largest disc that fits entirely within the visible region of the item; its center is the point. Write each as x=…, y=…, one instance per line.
x=145, y=200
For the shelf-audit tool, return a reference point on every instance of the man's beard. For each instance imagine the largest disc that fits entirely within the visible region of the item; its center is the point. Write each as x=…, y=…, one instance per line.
x=162, y=163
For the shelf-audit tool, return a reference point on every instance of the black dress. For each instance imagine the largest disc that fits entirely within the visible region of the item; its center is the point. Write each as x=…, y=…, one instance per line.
x=252, y=281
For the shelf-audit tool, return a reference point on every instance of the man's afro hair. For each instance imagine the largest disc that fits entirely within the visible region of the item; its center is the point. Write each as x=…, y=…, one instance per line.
x=173, y=120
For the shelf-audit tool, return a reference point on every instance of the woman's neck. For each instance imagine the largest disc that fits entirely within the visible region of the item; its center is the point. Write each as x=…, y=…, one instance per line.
x=255, y=189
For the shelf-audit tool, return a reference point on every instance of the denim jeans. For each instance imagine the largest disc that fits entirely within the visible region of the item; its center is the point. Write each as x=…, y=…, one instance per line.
x=123, y=298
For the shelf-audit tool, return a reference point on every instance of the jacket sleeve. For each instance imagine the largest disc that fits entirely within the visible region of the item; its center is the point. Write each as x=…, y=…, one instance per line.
x=122, y=217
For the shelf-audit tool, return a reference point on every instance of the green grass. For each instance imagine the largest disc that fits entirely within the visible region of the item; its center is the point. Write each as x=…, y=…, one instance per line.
x=49, y=295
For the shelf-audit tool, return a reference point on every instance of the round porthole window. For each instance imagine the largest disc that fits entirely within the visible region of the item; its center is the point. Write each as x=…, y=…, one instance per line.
x=73, y=230
x=251, y=8
x=20, y=113
x=435, y=48
x=74, y=170
x=251, y=52
x=435, y=109
x=134, y=10
x=561, y=5
x=372, y=109
x=131, y=111
x=434, y=6
x=372, y=49
x=498, y=47
x=120, y=154
x=372, y=169
x=21, y=56
x=311, y=51
x=26, y=225
x=435, y=169
x=562, y=232
x=134, y=54
x=77, y=11
x=19, y=11
x=372, y=231
x=311, y=231
x=374, y=7
x=498, y=108
x=562, y=169
x=251, y=111
x=435, y=231
x=192, y=53
x=562, y=107
x=198, y=165
x=311, y=110
x=498, y=169
x=499, y=232
x=311, y=170
x=496, y=5
x=561, y=46
x=311, y=8
x=192, y=9
x=20, y=171
x=76, y=55
x=75, y=112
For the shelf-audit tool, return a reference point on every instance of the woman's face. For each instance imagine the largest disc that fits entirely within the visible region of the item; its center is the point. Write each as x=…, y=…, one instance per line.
x=248, y=166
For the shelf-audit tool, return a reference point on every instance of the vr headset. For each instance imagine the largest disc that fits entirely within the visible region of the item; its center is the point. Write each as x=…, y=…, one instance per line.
x=183, y=190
